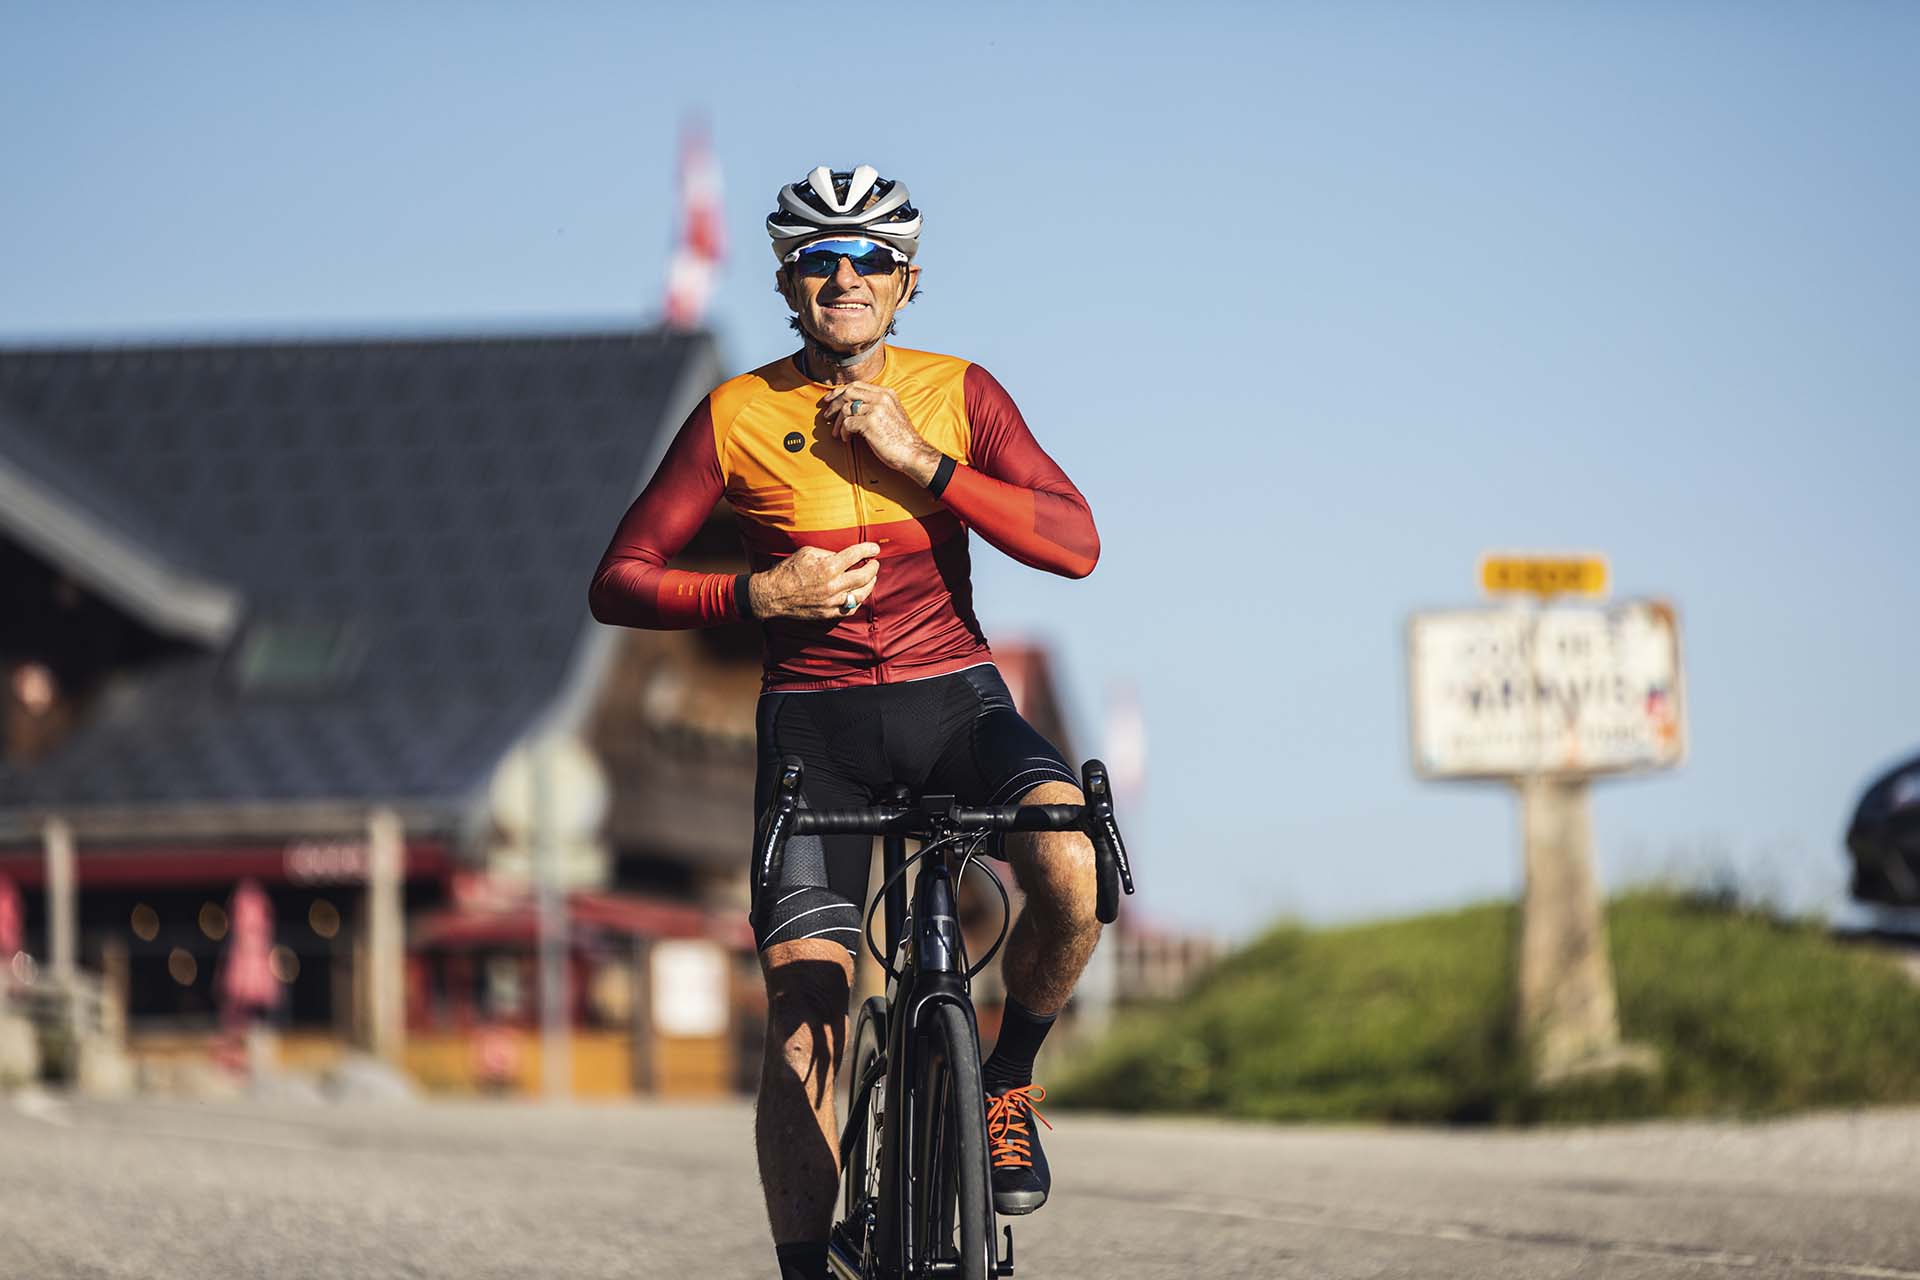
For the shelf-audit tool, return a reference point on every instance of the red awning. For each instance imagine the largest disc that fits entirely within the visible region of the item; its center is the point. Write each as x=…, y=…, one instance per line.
x=625, y=915
x=296, y=861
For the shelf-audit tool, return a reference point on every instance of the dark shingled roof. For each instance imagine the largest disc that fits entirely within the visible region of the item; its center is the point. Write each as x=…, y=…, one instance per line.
x=424, y=513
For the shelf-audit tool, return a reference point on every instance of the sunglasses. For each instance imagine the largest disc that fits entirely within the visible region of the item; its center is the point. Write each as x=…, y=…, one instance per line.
x=819, y=260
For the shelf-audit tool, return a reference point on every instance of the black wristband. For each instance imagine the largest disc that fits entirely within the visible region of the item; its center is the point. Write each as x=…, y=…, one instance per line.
x=941, y=475
x=743, y=596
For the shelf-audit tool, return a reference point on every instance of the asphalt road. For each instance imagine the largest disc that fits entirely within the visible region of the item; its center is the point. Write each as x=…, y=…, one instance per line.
x=200, y=1191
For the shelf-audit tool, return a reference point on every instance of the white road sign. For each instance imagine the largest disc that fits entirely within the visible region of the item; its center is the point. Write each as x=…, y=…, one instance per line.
x=1565, y=689
x=689, y=987
x=580, y=790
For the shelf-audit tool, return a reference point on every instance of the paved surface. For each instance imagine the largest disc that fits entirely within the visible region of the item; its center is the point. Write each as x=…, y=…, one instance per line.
x=202, y=1191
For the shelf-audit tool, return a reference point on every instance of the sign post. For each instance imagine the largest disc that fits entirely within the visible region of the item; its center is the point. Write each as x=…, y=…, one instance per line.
x=1548, y=696
x=549, y=797
x=556, y=1023
x=1568, y=1012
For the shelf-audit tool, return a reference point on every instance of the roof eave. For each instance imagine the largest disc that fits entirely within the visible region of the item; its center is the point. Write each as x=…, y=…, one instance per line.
x=164, y=596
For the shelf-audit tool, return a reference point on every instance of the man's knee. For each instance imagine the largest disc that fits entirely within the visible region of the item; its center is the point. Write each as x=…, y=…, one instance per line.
x=1055, y=869
x=807, y=987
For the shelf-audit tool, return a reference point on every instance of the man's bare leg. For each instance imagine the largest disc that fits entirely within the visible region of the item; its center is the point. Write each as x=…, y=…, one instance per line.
x=794, y=1128
x=1049, y=947
x=1056, y=931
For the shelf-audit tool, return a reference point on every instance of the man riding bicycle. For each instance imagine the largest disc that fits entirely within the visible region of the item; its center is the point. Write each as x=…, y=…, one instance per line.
x=857, y=469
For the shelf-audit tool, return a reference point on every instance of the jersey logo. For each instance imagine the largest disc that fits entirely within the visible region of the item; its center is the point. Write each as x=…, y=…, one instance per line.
x=794, y=442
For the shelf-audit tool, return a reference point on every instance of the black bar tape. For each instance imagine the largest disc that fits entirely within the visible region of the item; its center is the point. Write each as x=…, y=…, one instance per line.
x=1006, y=817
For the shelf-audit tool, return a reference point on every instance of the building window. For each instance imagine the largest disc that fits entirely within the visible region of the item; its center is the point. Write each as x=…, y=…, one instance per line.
x=296, y=657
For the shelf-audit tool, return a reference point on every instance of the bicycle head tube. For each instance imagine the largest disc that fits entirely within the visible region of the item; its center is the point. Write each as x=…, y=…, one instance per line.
x=937, y=943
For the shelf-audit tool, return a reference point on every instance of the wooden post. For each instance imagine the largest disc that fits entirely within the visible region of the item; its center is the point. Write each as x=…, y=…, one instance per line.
x=386, y=936
x=62, y=903
x=343, y=977
x=645, y=1068
x=115, y=986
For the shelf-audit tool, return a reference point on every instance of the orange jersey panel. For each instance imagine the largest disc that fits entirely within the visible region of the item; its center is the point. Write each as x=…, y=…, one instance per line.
x=758, y=440
x=787, y=473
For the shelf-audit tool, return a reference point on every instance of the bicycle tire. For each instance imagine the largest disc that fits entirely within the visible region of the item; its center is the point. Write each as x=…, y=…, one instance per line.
x=952, y=1212
x=860, y=1162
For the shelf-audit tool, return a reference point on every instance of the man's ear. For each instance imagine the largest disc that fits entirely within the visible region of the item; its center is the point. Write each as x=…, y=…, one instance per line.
x=784, y=287
x=913, y=285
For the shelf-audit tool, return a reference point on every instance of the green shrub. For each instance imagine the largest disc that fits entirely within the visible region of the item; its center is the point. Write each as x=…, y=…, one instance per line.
x=1412, y=1020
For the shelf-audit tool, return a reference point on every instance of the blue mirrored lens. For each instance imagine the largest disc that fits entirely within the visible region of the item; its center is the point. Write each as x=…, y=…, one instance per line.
x=822, y=258
x=846, y=246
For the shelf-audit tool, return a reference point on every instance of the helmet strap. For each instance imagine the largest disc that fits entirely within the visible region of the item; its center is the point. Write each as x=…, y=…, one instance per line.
x=842, y=359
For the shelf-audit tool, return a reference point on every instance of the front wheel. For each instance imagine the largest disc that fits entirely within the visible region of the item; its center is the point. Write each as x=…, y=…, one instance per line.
x=952, y=1221
x=865, y=1113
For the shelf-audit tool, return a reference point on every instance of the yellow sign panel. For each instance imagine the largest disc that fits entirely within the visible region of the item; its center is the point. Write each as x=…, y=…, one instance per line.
x=1544, y=575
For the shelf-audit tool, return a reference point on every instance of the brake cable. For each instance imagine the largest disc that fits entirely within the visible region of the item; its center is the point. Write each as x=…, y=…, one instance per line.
x=1006, y=903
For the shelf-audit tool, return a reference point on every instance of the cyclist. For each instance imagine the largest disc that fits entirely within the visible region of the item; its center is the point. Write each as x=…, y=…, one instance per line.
x=857, y=469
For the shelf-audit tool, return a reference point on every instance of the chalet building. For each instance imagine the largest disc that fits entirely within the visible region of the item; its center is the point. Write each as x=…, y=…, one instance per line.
x=283, y=612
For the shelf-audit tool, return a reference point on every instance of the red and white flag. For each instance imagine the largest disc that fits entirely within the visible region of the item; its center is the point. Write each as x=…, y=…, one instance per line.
x=702, y=242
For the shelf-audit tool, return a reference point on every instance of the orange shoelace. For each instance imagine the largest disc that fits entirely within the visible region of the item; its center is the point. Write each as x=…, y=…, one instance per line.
x=1007, y=1127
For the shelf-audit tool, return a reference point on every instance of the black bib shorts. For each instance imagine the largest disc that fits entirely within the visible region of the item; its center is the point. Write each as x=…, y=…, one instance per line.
x=956, y=734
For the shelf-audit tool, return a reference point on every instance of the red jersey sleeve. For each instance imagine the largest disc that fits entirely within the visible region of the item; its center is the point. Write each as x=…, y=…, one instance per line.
x=633, y=587
x=1013, y=494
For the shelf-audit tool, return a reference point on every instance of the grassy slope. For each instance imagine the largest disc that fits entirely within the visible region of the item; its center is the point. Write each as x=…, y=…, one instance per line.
x=1411, y=1020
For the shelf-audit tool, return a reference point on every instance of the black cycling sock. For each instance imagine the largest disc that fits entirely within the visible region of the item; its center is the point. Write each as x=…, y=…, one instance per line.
x=1021, y=1031
x=804, y=1261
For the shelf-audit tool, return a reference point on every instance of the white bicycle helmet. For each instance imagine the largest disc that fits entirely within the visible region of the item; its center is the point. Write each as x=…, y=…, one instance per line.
x=860, y=202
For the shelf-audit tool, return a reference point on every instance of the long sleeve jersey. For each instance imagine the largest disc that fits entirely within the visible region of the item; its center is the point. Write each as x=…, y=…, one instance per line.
x=757, y=441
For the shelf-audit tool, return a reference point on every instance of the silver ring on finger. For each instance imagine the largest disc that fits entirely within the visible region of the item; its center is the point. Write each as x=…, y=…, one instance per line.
x=855, y=410
x=851, y=603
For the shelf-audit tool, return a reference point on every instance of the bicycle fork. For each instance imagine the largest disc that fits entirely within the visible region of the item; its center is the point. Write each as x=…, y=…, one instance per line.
x=930, y=968
x=937, y=973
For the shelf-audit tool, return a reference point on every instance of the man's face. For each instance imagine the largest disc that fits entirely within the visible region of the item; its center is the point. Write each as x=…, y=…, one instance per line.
x=846, y=310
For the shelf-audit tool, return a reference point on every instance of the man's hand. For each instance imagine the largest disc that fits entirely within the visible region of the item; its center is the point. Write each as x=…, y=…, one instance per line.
x=814, y=583
x=883, y=424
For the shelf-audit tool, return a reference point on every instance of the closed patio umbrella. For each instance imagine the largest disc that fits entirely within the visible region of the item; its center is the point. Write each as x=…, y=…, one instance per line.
x=12, y=927
x=247, y=984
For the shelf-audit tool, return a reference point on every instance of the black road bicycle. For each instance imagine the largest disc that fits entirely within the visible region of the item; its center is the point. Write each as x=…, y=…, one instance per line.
x=916, y=1196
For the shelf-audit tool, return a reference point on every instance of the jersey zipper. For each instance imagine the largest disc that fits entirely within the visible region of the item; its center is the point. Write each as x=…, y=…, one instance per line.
x=860, y=512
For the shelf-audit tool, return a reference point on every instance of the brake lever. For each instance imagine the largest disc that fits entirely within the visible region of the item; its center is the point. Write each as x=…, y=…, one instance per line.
x=1110, y=851
x=777, y=820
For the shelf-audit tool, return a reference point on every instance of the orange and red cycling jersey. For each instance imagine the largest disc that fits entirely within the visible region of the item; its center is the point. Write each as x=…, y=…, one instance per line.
x=757, y=441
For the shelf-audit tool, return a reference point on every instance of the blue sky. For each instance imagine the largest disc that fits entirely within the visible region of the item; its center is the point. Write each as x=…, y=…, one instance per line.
x=1316, y=303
